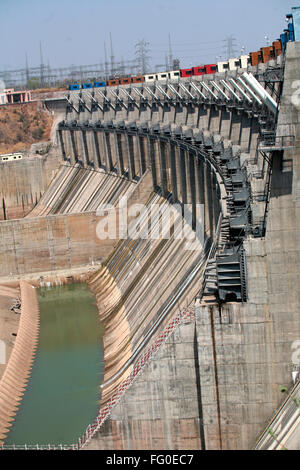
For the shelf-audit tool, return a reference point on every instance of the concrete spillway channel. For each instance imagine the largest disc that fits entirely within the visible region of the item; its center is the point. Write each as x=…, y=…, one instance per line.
x=77, y=189
x=139, y=279
x=63, y=395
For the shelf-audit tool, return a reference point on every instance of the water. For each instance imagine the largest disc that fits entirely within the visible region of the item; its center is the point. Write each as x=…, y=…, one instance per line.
x=63, y=394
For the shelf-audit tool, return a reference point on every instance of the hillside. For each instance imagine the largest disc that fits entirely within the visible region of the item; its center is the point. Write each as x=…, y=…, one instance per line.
x=22, y=125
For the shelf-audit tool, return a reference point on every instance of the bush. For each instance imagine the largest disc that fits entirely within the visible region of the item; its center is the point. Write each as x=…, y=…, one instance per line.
x=38, y=133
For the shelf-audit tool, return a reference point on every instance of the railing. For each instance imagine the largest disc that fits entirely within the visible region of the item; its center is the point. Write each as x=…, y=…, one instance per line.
x=38, y=447
x=272, y=142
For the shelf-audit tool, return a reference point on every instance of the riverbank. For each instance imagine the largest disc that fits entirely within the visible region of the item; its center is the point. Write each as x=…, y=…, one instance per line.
x=9, y=324
x=18, y=369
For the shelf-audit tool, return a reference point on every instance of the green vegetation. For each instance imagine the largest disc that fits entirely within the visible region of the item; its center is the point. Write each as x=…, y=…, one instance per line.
x=38, y=133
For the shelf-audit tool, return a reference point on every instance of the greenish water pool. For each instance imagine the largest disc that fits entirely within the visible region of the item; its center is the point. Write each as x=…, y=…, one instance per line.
x=63, y=393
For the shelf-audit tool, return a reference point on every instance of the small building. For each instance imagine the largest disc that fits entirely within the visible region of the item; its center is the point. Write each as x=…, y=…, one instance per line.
x=10, y=96
x=10, y=157
x=17, y=96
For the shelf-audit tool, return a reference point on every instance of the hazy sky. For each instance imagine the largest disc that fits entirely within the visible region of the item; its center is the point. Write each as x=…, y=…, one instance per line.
x=74, y=31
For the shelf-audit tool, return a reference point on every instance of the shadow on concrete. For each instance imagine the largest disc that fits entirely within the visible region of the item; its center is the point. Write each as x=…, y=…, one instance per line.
x=282, y=175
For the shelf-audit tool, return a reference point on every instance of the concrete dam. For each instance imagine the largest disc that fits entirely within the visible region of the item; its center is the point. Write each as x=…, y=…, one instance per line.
x=198, y=342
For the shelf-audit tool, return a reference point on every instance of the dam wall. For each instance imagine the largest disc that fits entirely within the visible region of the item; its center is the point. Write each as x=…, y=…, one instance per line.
x=76, y=189
x=185, y=172
x=23, y=182
x=124, y=288
x=51, y=243
x=250, y=358
x=236, y=125
x=64, y=241
x=167, y=416
x=216, y=382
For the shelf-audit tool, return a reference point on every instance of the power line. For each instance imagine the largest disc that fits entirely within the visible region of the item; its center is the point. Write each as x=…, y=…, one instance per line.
x=187, y=43
x=41, y=65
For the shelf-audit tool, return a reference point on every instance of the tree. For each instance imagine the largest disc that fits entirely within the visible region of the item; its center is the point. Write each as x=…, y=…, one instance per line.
x=33, y=83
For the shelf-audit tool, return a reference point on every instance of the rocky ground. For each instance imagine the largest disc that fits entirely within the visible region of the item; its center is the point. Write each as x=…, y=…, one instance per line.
x=22, y=125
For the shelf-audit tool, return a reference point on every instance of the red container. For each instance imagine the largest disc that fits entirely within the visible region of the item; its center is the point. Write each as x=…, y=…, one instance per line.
x=255, y=58
x=267, y=53
x=125, y=81
x=211, y=68
x=201, y=70
x=277, y=48
x=186, y=72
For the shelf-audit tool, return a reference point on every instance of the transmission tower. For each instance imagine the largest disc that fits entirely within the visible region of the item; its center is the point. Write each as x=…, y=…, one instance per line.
x=230, y=47
x=27, y=68
x=41, y=66
x=176, y=64
x=122, y=67
x=142, y=55
x=170, y=53
x=166, y=62
x=106, y=62
x=112, y=57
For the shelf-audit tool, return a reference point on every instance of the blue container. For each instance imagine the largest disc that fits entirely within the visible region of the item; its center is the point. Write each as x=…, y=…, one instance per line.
x=99, y=84
x=86, y=85
x=283, y=39
x=74, y=87
x=291, y=32
x=296, y=23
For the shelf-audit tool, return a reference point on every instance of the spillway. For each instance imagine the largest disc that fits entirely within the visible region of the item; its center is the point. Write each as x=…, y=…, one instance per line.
x=77, y=189
x=142, y=283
